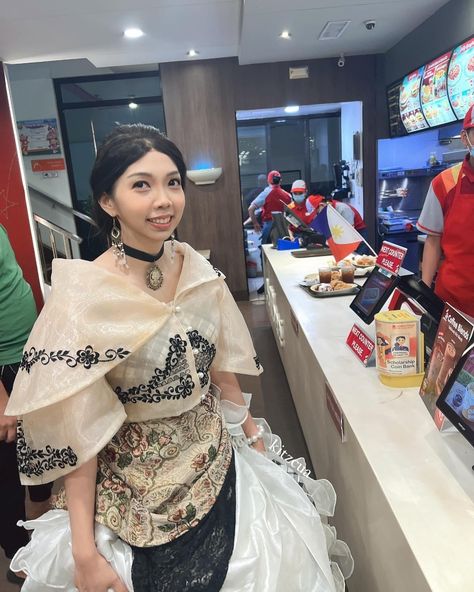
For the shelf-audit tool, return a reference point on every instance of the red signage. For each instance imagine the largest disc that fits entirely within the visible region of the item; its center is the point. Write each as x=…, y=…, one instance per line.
x=360, y=344
x=391, y=257
x=47, y=164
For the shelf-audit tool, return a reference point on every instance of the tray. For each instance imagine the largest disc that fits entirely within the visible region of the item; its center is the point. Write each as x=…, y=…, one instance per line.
x=348, y=292
x=301, y=253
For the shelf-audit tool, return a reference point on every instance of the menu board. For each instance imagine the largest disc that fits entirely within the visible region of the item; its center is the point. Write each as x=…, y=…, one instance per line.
x=461, y=78
x=410, y=106
x=434, y=95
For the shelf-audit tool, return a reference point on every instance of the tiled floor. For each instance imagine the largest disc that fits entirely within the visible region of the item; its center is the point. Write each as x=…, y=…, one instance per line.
x=272, y=398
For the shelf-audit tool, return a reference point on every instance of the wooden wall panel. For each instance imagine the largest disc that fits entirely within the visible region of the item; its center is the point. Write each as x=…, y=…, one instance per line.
x=200, y=100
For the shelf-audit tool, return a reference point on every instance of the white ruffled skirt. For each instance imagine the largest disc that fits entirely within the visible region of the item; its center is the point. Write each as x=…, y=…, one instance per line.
x=281, y=542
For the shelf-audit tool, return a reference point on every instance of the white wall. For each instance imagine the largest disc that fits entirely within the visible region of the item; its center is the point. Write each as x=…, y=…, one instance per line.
x=351, y=122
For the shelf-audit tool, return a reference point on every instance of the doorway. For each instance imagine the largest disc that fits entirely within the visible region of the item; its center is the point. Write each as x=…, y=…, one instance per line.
x=301, y=143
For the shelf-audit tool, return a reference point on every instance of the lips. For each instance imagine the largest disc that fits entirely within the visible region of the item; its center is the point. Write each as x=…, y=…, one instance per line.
x=160, y=220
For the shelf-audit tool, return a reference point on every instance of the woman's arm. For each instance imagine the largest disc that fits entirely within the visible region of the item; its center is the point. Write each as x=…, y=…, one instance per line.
x=431, y=257
x=92, y=572
x=7, y=423
x=229, y=385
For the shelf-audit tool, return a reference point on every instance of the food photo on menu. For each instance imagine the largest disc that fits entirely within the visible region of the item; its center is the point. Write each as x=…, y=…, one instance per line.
x=410, y=105
x=434, y=94
x=461, y=78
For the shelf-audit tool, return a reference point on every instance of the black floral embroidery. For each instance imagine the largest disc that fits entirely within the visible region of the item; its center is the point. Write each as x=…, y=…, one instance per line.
x=33, y=461
x=219, y=273
x=162, y=385
x=204, y=356
x=86, y=357
x=256, y=359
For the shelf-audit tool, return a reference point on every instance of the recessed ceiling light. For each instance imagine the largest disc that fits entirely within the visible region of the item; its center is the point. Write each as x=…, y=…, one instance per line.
x=133, y=33
x=192, y=53
x=285, y=35
x=292, y=109
x=133, y=105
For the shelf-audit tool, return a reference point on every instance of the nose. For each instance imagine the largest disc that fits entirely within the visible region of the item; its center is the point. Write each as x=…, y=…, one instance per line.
x=161, y=199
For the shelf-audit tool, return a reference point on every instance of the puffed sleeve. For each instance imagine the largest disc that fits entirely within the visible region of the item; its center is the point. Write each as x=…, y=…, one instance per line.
x=55, y=440
x=234, y=349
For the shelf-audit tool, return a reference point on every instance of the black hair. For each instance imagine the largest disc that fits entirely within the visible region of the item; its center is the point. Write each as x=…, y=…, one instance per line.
x=121, y=148
x=400, y=337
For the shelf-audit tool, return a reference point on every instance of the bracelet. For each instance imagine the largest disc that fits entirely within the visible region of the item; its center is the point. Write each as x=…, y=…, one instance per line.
x=258, y=436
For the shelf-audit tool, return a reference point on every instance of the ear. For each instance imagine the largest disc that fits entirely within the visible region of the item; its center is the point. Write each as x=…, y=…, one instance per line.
x=107, y=203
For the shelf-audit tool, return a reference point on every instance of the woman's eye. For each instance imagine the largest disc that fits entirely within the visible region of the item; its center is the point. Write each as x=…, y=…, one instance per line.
x=141, y=185
x=175, y=182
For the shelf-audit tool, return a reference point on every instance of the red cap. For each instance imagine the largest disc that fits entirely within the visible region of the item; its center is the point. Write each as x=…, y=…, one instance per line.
x=315, y=200
x=469, y=118
x=271, y=175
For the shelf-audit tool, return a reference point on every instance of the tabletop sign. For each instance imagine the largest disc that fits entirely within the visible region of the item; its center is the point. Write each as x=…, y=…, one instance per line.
x=47, y=164
x=391, y=257
x=360, y=344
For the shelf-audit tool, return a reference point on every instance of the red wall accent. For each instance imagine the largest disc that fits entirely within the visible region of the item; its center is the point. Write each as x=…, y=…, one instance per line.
x=13, y=212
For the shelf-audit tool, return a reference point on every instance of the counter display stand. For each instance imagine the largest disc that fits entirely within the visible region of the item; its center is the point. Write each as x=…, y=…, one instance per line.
x=405, y=491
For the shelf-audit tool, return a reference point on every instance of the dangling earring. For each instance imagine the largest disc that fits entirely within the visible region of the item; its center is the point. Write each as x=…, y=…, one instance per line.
x=172, y=247
x=117, y=244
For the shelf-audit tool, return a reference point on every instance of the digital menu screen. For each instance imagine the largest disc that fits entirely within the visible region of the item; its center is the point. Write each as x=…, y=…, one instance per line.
x=410, y=106
x=434, y=93
x=461, y=78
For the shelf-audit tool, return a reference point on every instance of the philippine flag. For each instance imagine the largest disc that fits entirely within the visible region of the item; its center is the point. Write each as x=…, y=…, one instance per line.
x=342, y=238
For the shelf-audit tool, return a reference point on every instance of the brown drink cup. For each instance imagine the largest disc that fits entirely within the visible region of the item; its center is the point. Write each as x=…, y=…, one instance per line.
x=446, y=367
x=347, y=274
x=325, y=275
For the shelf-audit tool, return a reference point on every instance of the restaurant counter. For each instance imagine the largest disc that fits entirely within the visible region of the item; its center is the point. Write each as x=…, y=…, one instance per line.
x=405, y=491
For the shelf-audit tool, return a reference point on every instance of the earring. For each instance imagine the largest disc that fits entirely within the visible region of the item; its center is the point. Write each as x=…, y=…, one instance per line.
x=117, y=244
x=172, y=247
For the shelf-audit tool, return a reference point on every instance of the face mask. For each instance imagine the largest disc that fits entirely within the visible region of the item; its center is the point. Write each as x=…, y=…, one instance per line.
x=471, y=147
x=298, y=197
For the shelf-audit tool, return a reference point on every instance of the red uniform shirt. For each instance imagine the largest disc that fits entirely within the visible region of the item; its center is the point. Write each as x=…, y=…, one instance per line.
x=302, y=213
x=448, y=212
x=273, y=202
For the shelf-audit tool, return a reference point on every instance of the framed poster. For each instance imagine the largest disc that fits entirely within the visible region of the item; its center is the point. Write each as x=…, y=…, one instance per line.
x=39, y=136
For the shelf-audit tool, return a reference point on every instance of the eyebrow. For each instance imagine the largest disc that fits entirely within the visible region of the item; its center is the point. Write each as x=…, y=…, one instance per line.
x=170, y=174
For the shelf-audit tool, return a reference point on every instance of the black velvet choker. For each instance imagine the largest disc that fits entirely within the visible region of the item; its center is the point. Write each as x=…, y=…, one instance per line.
x=137, y=254
x=154, y=275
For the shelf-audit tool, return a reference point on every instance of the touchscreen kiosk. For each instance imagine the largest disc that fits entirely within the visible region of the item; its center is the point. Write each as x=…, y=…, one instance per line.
x=373, y=294
x=457, y=398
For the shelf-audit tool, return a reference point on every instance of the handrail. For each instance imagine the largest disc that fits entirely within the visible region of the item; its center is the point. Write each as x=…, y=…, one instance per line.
x=58, y=229
x=66, y=208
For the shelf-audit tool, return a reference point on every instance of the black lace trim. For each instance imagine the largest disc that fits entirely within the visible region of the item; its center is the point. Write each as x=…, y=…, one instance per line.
x=33, y=461
x=219, y=273
x=205, y=355
x=256, y=359
x=176, y=369
x=86, y=357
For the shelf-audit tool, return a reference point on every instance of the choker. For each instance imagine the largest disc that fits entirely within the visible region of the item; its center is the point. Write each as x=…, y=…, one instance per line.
x=154, y=275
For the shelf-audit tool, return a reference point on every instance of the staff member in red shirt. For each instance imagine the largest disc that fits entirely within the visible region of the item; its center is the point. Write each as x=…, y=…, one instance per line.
x=298, y=203
x=269, y=202
x=447, y=218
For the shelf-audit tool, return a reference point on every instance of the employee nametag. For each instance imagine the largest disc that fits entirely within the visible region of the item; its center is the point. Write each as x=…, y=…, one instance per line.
x=391, y=257
x=360, y=344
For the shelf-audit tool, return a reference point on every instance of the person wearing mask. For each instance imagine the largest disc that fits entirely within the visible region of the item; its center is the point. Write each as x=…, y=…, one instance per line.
x=270, y=200
x=447, y=219
x=17, y=317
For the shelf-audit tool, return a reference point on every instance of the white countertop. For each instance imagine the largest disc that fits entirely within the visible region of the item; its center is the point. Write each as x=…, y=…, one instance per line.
x=426, y=476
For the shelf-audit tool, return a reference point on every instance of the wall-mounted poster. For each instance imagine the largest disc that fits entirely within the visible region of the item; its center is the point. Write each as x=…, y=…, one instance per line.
x=434, y=92
x=461, y=78
x=39, y=136
x=410, y=106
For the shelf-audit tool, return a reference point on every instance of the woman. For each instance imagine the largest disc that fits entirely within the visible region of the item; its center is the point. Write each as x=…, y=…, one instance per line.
x=115, y=394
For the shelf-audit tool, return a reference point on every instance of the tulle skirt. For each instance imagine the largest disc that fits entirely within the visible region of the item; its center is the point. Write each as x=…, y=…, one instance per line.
x=281, y=539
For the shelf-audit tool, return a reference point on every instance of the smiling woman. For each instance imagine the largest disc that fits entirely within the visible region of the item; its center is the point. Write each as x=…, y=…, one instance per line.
x=169, y=481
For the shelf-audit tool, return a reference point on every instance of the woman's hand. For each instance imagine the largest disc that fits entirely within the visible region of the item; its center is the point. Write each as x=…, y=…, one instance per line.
x=95, y=574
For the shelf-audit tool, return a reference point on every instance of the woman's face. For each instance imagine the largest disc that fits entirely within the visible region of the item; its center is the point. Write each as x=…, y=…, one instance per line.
x=148, y=200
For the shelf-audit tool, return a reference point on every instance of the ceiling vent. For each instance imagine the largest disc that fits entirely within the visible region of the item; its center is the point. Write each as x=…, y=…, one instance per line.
x=333, y=30
x=302, y=72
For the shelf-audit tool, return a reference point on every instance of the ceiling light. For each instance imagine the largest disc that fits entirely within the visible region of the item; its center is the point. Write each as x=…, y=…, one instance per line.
x=333, y=30
x=285, y=35
x=292, y=109
x=133, y=105
x=133, y=33
x=192, y=53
